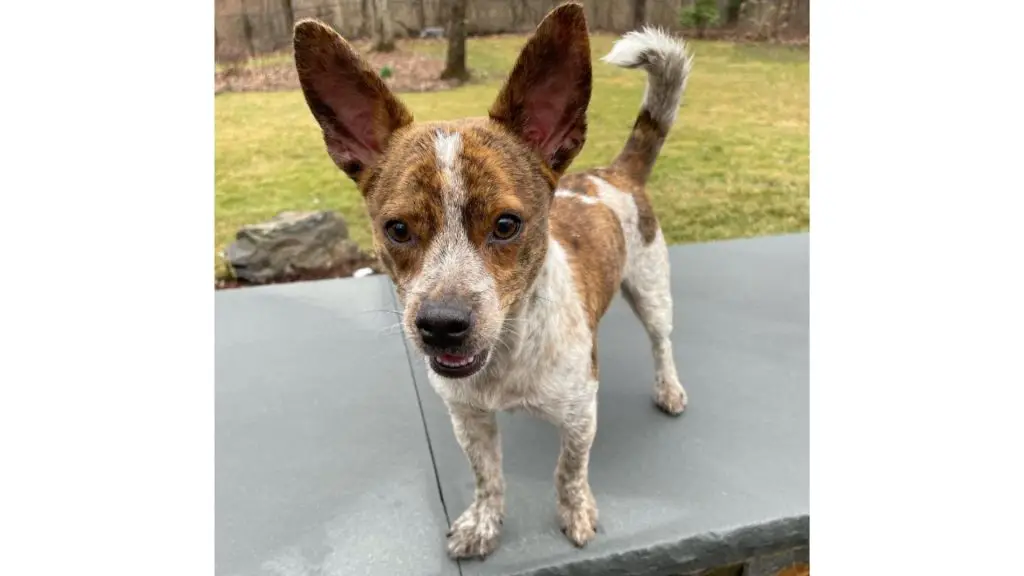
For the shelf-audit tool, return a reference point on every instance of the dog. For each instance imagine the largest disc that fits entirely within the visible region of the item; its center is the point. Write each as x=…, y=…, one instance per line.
x=503, y=263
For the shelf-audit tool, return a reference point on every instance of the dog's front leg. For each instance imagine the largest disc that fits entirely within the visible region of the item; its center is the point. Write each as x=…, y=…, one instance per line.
x=475, y=533
x=577, y=510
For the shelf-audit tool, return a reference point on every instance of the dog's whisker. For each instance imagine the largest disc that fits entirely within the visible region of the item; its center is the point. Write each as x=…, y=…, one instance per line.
x=382, y=310
x=389, y=330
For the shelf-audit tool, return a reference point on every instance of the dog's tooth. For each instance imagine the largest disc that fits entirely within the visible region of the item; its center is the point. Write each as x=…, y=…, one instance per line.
x=460, y=363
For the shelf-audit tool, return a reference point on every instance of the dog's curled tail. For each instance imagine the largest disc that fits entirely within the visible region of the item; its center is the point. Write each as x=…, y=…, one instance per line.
x=667, y=62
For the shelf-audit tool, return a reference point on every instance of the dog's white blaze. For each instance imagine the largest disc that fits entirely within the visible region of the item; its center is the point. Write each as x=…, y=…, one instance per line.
x=451, y=264
x=448, y=148
x=451, y=258
x=441, y=257
x=563, y=193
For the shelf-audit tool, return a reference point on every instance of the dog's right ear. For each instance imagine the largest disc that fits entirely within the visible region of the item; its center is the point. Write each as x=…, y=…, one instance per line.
x=355, y=109
x=544, y=101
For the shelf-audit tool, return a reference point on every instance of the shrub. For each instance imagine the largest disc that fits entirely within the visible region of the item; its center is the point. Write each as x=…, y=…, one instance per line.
x=701, y=15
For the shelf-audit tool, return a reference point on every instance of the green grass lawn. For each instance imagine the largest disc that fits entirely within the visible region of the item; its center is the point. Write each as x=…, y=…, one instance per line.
x=735, y=165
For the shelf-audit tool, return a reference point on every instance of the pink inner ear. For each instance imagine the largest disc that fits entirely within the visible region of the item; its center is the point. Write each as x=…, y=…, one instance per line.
x=352, y=130
x=546, y=106
x=360, y=122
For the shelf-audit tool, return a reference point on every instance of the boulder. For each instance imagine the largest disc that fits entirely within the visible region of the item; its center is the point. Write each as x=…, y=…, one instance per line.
x=293, y=245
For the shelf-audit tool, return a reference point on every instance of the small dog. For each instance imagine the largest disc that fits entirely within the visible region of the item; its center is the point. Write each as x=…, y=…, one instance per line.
x=503, y=264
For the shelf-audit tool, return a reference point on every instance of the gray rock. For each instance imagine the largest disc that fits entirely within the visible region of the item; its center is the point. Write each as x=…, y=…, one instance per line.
x=291, y=244
x=773, y=564
x=432, y=33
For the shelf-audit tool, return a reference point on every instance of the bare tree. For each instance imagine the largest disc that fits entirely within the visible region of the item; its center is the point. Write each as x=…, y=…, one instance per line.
x=455, y=68
x=247, y=33
x=382, y=33
x=421, y=14
x=639, y=13
x=339, y=15
x=289, y=16
x=783, y=9
x=733, y=9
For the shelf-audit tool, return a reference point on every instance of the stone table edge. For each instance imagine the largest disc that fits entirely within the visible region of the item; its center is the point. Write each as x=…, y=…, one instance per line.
x=692, y=554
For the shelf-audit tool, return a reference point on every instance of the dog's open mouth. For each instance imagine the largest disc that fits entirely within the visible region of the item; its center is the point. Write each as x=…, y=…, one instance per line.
x=458, y=366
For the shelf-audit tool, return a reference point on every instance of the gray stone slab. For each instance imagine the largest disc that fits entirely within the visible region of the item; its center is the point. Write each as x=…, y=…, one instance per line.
x=726, y=481
x=322, y=463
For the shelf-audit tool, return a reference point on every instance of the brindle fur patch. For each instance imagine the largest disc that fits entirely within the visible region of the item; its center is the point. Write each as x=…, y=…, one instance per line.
x=647, y=221
x=642, y=148
x=578, y=183
x=593, y=241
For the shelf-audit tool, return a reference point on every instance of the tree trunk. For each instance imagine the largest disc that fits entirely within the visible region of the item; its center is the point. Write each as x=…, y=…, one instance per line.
x=382, y=34
x=639, y=13
x=785, y=8
x=247, y=33
x=776, y=17
x=455, y=68
x=288, y=19
x=370, y=18
x=732, y=12
x=339, y=17
x=289, y=15
x=441, y=16
x=421, y=14
x=365, y=25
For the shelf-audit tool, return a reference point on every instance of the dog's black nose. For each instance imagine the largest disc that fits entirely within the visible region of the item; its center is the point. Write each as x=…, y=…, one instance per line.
x=443, y=324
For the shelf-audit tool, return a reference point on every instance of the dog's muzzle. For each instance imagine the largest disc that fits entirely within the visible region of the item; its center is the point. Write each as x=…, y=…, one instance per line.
x=445, y=327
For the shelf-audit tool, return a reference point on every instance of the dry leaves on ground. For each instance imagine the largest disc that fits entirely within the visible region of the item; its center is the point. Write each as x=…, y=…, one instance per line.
x=410, y=72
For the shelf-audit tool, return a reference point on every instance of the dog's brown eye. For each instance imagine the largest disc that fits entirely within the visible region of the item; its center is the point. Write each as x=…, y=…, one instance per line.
x=506, y=227
x=398, y=231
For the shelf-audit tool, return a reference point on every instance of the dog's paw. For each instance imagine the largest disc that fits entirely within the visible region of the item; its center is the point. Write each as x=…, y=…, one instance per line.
x=579, y=524
x=670, y=398
x=475, y=533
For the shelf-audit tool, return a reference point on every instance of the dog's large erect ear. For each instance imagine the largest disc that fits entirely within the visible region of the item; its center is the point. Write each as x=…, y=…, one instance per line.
x=545, y=99
x=355, y=109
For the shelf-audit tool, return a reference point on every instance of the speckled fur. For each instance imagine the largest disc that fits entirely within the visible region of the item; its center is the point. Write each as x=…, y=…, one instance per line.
x=537, y=300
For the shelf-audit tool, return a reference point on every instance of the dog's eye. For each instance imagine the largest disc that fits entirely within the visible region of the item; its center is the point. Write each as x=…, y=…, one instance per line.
x=507, y=227
x=398, y=231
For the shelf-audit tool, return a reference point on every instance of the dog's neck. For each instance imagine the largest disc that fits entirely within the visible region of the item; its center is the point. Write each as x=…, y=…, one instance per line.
x=549, y=303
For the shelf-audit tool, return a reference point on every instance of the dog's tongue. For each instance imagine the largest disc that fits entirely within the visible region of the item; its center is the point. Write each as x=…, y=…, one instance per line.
x=454, y=360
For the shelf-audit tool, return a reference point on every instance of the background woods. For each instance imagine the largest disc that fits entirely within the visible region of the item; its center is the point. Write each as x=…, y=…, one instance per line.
x=247, y=28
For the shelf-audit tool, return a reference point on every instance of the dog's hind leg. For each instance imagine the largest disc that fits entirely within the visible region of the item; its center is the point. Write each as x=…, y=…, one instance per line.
x=646, y=287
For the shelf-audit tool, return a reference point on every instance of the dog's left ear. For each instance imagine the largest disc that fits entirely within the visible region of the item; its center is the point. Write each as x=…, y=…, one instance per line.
x=544, y=101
